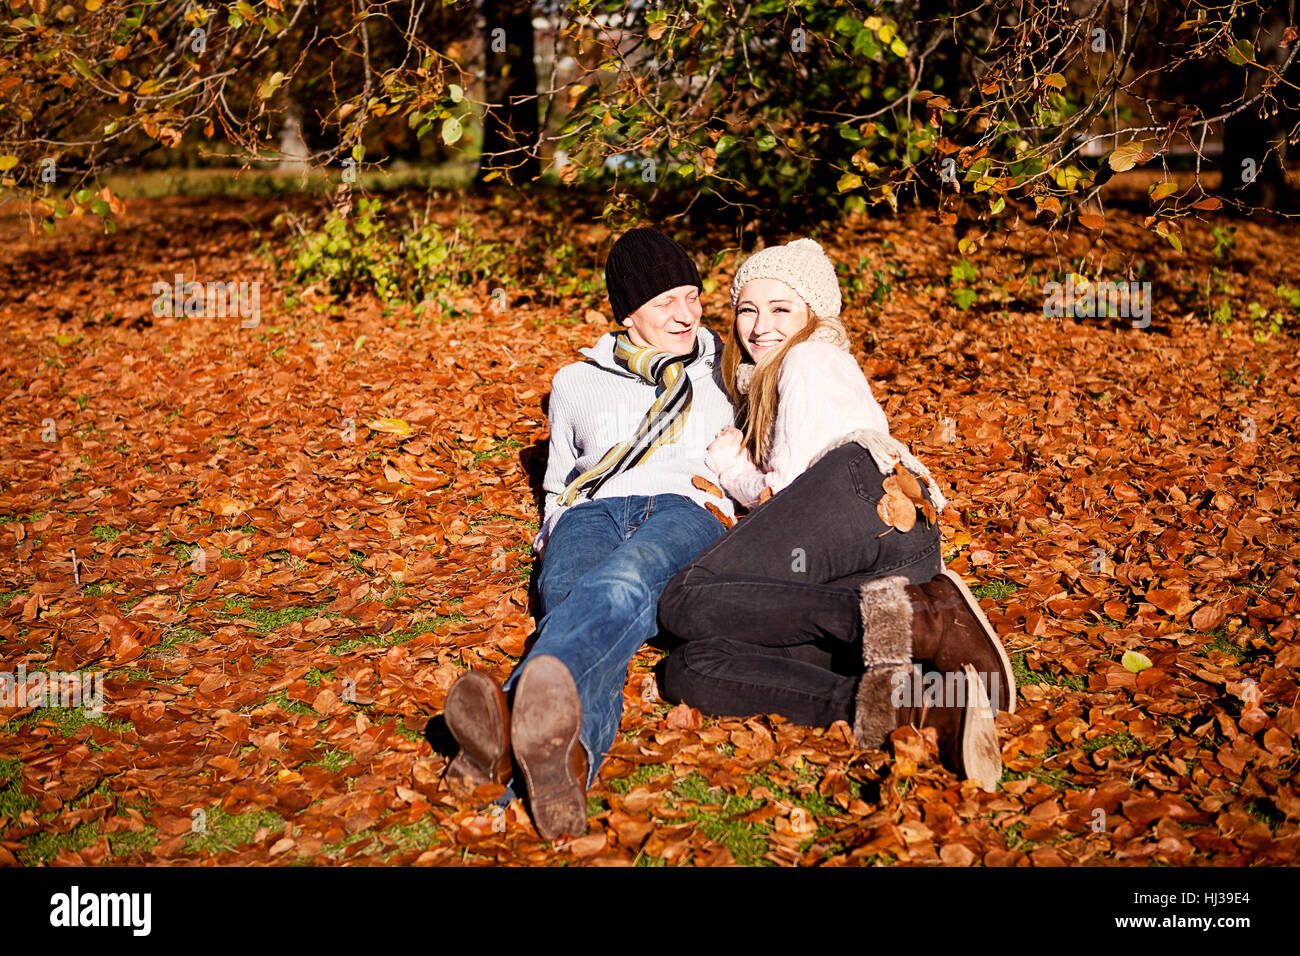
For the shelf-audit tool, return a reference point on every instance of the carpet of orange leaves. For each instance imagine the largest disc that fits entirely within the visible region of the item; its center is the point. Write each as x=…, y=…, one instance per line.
x=1103, y=491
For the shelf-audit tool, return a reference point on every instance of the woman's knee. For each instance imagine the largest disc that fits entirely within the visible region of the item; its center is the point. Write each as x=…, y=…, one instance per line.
x=675, y=607
x=682, y=678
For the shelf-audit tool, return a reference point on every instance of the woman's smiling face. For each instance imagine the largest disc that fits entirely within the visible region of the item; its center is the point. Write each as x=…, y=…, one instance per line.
x=767, y=313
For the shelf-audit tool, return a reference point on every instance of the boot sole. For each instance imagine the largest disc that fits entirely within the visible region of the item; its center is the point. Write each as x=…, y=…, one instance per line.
x=544, y=725
x=474, y=718
x=981, y=757
x=1008, y=678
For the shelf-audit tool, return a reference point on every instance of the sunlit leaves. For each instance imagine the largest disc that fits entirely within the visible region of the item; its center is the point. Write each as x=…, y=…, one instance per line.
x=1135, y=661
x=271, y=84
x=1128, y=155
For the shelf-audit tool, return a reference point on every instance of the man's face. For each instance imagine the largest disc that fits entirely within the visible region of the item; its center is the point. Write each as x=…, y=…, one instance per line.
x=668, y=322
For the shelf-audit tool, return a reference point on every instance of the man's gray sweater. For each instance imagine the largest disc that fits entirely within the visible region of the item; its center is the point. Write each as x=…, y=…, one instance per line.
x=597, y=404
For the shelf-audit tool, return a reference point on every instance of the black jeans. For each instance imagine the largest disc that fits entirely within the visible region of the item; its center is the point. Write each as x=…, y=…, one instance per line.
x=770, y=611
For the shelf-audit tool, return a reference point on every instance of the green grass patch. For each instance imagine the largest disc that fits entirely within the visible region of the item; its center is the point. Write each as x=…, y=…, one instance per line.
x=500, y=448
x=997, y=590
x=13, y=803
x=393, y=638
x=1025, y=677
x=282, y=700
x=126, y=842
x=332, y=760
x=103, y=532
x=44, y=846
x=413, y=735
x=1125, y=743
x=1059, y=779
x=166, y=647
x=419, y=835
x=224, y=831
x=718, y=813
x=266, y=620
x=68, y=720
x=639, y=777
x=746, y=841
x=1222, y=643
x=1264, y=811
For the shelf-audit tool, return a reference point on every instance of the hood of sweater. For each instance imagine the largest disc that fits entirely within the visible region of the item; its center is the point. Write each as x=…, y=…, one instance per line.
x=602, y=353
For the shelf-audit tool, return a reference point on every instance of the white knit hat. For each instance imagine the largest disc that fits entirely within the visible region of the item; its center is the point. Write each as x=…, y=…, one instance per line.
x=803, y=267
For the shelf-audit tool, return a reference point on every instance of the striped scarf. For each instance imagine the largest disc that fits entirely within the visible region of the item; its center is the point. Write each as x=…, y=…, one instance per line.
x=662, y=424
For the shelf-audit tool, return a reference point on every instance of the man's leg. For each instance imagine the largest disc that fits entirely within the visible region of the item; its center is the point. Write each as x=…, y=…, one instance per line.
x=584, y=536
x=477, y=713
x=612, y=610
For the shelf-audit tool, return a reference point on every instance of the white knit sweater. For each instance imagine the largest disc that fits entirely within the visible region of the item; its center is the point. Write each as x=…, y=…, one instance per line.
x=597, y=404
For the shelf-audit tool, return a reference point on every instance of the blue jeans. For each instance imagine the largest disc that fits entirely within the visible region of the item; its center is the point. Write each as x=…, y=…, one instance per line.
x=605, y=565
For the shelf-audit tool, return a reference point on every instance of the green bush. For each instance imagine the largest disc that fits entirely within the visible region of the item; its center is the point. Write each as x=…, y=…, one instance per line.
x=360, y=252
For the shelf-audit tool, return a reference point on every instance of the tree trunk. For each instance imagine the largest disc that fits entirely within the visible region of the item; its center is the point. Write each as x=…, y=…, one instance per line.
x=510, y=124
x=1255, y=143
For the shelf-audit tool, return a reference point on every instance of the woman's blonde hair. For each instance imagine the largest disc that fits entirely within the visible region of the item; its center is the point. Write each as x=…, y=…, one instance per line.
x=757, y=409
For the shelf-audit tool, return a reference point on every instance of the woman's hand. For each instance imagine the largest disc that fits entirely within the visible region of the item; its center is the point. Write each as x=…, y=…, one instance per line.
x=727, y=451
x=728, y=443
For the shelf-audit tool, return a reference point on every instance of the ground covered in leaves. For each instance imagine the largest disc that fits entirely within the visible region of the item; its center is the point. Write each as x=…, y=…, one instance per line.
x=279, y=586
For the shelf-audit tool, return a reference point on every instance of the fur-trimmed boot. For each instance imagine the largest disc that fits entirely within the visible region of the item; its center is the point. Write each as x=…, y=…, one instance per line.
x=890, y=694
x=944, y=624
x=954, y=704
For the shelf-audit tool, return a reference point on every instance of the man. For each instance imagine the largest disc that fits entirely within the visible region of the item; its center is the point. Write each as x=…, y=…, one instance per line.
x=629, y=430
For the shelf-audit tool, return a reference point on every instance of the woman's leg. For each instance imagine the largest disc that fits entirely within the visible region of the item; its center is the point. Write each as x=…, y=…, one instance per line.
x=779, y=576
x=807, y=683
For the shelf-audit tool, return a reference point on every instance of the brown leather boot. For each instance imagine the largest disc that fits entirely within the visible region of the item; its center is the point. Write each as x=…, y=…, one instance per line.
x=479, y=718
x=945, y=626
x=953, y=703
x=545, y=724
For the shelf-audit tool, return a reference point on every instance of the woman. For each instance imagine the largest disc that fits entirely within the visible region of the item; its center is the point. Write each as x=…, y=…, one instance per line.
x=819, y=604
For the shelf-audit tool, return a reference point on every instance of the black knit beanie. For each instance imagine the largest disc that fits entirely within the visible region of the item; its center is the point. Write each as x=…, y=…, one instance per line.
x=643, y=264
